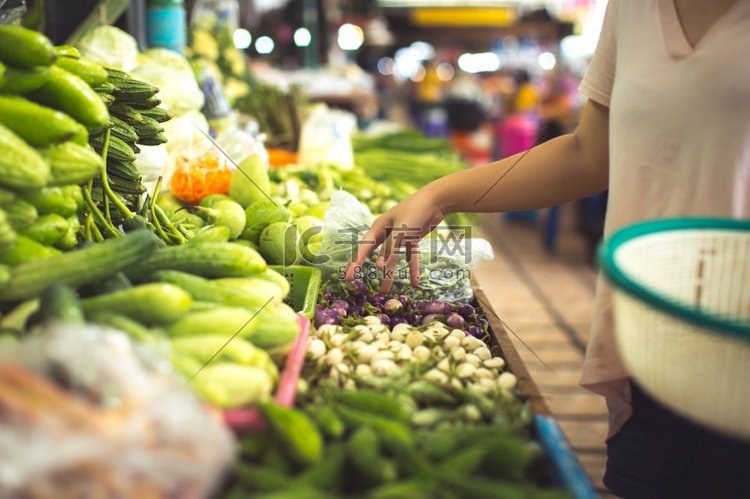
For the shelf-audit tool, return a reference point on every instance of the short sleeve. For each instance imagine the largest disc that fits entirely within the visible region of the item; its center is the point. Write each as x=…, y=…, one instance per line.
x=600, y=76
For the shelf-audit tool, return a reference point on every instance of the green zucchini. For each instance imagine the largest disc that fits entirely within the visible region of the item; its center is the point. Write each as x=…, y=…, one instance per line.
x=21, y=167
x=85, y=69
x=207, y=259
x=71, y=163
x=154, y=303
x=73, y=96
x=79, y=267
x=47, y=230
x=19, y=81
x=25, y=47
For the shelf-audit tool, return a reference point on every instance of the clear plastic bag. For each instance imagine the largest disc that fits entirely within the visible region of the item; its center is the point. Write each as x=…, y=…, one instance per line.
x=446, y=256
x=86, y=413
x=326, y=137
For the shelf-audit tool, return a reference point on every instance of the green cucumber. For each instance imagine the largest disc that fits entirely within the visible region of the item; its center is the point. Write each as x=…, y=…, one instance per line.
x=85, y=69
x=19, y=81
x=71, y=163
x=78, y=267
x=224, y=293
x=73, y=96
x=52, y=200
x=207, y=259
x=68, y=51
x=48, y=229
x=7, y=233
x=149, y=303
x=25, y=47
x=20, y=213
x=223, y=321
x=26, y=250
x=211, y=234
x=38, y=125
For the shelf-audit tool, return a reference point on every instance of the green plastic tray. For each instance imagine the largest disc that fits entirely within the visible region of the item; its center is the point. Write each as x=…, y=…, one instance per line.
x=305, y=286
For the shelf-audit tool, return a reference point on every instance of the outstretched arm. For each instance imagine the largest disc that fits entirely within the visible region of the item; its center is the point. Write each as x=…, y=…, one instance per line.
x=560, y=170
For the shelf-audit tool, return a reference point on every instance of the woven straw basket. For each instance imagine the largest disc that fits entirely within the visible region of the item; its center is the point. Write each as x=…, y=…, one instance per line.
x=681, y=292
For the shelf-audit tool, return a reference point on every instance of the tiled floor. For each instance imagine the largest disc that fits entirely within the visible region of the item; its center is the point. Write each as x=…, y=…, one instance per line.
x=545, y=301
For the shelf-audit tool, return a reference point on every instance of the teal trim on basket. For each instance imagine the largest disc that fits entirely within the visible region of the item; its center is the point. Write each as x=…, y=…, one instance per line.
x=622, y=281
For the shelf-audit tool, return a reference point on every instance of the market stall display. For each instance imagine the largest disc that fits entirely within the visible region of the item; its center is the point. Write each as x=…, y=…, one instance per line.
x=333, y=389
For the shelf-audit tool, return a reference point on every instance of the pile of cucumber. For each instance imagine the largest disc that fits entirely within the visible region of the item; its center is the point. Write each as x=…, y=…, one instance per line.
x=186, y=301
x=45, y=113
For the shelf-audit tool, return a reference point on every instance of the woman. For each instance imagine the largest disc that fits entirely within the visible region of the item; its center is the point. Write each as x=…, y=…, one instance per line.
x=667, y=130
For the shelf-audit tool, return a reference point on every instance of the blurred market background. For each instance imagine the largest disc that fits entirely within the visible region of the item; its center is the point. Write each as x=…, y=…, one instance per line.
x=313, y=81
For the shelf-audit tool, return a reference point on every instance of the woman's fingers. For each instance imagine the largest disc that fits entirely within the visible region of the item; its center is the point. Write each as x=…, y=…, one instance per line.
x=412, y=256
x=372, y=239
x=388, y=271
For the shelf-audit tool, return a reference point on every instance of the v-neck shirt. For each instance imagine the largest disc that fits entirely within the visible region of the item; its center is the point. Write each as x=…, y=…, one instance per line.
x=679, y=140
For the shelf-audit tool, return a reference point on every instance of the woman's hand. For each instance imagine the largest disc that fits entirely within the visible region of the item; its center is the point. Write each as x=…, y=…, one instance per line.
x=403, y=226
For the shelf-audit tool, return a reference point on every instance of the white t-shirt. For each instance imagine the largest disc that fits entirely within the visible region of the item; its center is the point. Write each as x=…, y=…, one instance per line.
x=679, y=140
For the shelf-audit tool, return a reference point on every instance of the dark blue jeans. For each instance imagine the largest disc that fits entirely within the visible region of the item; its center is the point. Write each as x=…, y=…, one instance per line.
x=661, y=455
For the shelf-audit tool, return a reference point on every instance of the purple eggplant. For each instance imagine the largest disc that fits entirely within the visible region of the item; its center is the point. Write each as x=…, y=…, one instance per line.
x=436, y=307
x=474, y=331
x=326, y=316
x=455, y=321
x=327, y=296
x=396, y=320
x=357, y=288
x=466, y=311
x=404, y=300
x=356, y=311
x=342, y=304
x=377, y=300
x=384, y=319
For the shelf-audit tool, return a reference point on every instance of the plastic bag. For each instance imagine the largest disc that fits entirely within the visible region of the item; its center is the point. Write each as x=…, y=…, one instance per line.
x=110, y=47
x=11, y=10
x=198, y=171
x=446, y=256
x=172, y=74
x=151, y=161
x=327, y=137
x=85, y=413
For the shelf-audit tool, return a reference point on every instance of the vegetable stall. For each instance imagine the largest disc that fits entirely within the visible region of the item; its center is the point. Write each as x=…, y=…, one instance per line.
x=200, y=312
